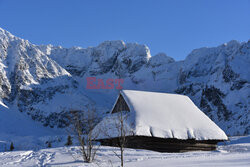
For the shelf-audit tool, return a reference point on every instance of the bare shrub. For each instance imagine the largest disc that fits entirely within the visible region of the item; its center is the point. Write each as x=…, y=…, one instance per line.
x=81, y=126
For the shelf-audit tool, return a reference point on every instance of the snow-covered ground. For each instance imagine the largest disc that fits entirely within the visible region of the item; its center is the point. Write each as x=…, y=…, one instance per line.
x=235, y=153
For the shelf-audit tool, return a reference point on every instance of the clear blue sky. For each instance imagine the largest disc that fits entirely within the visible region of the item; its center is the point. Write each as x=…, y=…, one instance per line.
x=175, y=27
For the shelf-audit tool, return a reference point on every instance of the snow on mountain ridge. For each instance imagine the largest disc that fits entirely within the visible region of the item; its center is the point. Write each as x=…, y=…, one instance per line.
x=30, y=79
x=216, y=79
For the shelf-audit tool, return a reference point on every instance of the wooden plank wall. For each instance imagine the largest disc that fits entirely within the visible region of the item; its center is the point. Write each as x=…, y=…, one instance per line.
x=120, y=105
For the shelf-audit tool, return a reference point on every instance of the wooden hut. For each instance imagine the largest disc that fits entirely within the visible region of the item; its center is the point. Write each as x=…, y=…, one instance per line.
x=159, y=121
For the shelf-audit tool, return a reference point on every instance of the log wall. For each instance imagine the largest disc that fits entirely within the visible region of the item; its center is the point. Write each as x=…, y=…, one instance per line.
x=163, y=145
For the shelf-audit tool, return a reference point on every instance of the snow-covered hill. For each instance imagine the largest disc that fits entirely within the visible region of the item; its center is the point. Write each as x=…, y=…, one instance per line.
x=45, y=82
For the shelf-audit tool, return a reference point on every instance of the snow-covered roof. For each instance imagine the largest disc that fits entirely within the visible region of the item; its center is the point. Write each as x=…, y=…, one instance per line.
x=162, y=115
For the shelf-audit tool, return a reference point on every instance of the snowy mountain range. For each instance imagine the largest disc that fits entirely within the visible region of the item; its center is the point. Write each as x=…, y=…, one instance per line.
x=46, y=82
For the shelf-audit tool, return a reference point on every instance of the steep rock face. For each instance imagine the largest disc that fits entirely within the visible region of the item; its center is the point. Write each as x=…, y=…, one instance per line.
x=160, y=59
x=46, y=82
x=30, y=80
x=109, y=56
x=218, y=81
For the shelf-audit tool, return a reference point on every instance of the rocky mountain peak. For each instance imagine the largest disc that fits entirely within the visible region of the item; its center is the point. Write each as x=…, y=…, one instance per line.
x=46, y=81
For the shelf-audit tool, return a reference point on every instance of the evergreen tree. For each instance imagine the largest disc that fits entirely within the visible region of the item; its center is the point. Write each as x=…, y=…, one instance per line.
x=11, y=146
x=69, y=141
x=49, y=144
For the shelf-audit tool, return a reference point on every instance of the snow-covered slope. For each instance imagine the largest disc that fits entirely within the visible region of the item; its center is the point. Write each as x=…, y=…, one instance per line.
x=34, y=83
x=22, y=131
x=46, y=82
